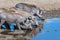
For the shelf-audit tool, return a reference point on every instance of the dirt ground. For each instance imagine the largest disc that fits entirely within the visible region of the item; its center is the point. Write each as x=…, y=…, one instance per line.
x=19, y=34
x=51, y=14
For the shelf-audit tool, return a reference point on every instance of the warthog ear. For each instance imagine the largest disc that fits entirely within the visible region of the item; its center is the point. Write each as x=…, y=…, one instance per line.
x=40, y=12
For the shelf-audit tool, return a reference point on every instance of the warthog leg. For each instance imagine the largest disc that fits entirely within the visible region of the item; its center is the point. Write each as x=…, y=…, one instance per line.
x=18, y=25
x=1, y=22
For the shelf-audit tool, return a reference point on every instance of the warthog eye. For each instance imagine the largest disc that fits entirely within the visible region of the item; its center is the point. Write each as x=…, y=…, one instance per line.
x=29, y=17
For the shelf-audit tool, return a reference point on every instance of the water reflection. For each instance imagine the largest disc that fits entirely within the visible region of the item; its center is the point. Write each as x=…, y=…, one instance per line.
x=50, y=31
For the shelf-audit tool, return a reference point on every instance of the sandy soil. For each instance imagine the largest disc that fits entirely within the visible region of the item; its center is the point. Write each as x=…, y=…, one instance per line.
x=43, y=4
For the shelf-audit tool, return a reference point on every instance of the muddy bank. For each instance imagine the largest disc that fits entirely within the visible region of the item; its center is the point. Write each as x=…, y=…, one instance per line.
x=51, y=14
x=19, y=34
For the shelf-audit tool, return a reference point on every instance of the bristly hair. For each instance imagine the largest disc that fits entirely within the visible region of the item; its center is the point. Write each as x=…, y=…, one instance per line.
x=30, y=5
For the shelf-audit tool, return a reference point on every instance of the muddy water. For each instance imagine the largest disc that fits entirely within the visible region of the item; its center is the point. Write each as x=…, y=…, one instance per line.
x=50, y=31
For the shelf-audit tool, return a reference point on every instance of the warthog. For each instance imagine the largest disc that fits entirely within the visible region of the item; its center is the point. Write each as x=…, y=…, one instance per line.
x=30, y=8
x=28, y=22
x=12, y=17
x=19, y=14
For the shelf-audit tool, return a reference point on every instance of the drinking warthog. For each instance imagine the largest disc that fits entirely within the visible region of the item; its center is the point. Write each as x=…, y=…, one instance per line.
x=36, y=12
x=12, y=17
x=19, y=13
x=28, y=23
x=30, y=8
